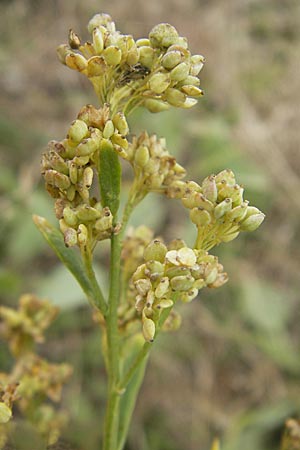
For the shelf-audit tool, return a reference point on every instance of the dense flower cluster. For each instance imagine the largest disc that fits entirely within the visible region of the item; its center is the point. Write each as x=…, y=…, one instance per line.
x=68, y=168
x=156, y=72
x=216, y=208
x=32, y=380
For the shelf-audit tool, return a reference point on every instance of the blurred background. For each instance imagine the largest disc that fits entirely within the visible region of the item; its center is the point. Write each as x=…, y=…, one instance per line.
x=233, y=369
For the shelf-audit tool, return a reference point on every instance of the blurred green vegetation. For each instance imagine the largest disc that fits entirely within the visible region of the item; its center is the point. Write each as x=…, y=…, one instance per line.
x=233, y=370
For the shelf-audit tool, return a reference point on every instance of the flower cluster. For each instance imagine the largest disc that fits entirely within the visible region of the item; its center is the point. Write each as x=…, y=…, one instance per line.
x=217, y=208
x=169, y=274
x=68, y=169
x=23, y=327
x=154, y=167
x=32, y=380
x=156, y=72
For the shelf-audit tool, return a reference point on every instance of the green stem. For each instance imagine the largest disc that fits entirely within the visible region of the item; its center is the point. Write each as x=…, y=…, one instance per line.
x=112, y=413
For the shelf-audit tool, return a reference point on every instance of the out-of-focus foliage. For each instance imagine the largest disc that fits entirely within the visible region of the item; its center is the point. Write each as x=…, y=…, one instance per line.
x=233, y=369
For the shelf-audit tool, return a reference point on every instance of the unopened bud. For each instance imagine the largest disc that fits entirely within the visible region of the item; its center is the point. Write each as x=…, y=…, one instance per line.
x=159, y=82
x=189, y=296
x=109, y=129
x=76, y=61
x=238, y=213
x=175, y=97
x=57, y=179
x=162, y=287
x=70, y=237
x=86, y=147
x=78, y=130
x=197, y=62
x=163, y=35
x=141, y=156
x=252, y=222
x=5, y=413
x=200, y=217
x=98, y=42
x=180, y=72
x=164, y=304
x=120, y=122
x=226, y=176
x=82, y=234
x=182, y=283
x=87, y=213
x=211, y=275
x=155, y=251
x=143, y=286
x=142, y=42
x=209, y=188
x=112, y=55
x=69, y=216
x=105, y=222
x=191, y=90
x=156, y=106
x=223, y=208
x=148, y=329
x=171, y=59
x=74, y=40
x=96, y=66
x=146, y=56
x=62, y=52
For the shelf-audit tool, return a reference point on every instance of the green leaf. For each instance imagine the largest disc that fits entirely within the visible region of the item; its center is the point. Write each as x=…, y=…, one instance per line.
x=68, y=256
x=109, y=176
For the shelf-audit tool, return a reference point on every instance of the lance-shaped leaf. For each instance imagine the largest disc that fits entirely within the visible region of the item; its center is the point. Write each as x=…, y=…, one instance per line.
x=68, y=256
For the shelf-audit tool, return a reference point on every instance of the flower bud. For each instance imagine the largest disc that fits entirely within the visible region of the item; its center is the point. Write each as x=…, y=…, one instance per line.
x=88, y=175
x=71, y=192
x=156, y=106
x=155, y=251
x=87, y=213
x=154, y=269
x=175, y=97
x=133, y=56
x=70, y=237
x=120, y=122
x=180, y=72
x=191, y=90
x=105, y=222
x=189, y=103
x=5, y=413
x=228, y=237
x=117, y=139
x=76, y=61
x=164, y=303
x=141, y=156
x=238, y=213
x=223, y=208
x=211, y=275
x=78, y=131
x=86, y=147
x=96, y=66
x=74, y=40
x=69, y=216
x=146, y=56
x=182, y=283
x=186, y=256
x=82, y=234
x=99, y=20
x=209, y=188
x=159, y=82
x=112, y=55
x=98, y=42
x=171, y=59
x=62, y=52
x=200, y=217
x=162, y=287
x=226, y=176
x=197, y=62
x=252, y=222
x=109, y=129
x=57, y=179
x=143, y=286
x=163, y=35
x=189, y=81
x=142, y=42
x=148, y=329
x=187, y=297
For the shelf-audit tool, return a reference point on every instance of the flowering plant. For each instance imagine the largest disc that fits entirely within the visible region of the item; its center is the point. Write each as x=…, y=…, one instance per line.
x=83, y=173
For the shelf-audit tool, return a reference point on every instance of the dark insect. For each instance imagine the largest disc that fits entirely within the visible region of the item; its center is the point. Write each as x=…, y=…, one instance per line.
x=133, y=73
